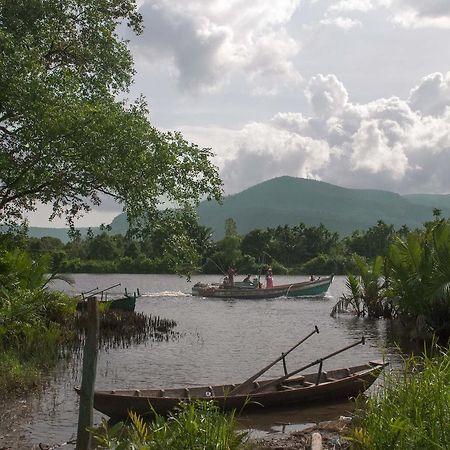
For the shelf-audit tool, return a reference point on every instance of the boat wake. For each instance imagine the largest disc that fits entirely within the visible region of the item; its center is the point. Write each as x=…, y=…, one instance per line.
x=165, y=294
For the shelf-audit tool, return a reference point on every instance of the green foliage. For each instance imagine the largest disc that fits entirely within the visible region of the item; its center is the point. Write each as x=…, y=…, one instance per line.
x=194, y=426
x=66, y=139
x=419, y=278
x=328, y=263
x=410, y=411
x=373, y=242
x=18, y=376
x=30, y=320
x=366, y=291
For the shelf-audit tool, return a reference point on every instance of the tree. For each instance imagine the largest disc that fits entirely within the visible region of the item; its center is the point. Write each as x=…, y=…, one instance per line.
x=65, y=138
x=375, y=241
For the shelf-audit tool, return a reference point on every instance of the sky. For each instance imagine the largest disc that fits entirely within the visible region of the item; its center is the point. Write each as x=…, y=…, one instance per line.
x=351, y=92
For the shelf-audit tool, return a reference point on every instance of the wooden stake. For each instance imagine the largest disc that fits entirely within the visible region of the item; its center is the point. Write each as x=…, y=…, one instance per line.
x=85, y=415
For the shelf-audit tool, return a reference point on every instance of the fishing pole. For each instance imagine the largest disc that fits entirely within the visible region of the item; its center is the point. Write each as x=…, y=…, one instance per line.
x=217, y=265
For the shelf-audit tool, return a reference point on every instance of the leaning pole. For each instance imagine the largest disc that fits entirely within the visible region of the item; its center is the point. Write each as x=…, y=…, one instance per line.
x=85, y=415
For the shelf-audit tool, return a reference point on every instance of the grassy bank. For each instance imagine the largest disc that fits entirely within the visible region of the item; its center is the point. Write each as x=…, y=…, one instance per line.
x=32, y=331
x=195, y=426
x=411, y=410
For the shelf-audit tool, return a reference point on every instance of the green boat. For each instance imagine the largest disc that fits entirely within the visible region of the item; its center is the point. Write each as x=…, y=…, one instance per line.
x=125, y=303
x=250, y=291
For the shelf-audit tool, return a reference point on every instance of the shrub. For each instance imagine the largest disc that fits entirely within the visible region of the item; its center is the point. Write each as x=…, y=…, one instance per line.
x=411, y=411
x=194, y=426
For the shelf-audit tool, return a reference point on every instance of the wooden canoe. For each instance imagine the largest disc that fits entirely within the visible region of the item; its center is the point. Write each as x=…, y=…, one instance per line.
x=302, y=289
x=332, y=385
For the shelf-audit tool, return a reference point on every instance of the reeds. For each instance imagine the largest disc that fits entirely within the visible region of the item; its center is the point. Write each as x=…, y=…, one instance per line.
x=410, y=411
x=196, y=425
x=123, y=328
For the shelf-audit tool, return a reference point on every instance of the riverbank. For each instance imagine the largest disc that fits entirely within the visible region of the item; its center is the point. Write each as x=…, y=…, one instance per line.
x=327, y=435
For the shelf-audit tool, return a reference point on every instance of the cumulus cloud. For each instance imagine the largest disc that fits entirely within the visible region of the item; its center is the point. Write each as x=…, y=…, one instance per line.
x=207, y=42
x=391, y=143
x=423, y=13
x=346, y=23
x=432, y=95
x=326, y=94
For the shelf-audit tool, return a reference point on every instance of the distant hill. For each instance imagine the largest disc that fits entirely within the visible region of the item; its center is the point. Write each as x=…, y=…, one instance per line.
x=60, y=233
x=289, y=201
x=440, y=201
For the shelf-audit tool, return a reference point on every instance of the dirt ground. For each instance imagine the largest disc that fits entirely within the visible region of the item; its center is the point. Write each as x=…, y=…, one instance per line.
x=332, y=433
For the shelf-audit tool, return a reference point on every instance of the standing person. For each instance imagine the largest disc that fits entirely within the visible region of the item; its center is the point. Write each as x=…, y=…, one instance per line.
x=269, y=279
x=231, y=273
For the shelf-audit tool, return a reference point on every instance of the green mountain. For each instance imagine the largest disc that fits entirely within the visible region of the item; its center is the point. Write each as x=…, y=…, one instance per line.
x=440, y=201
x=289, y=201
x=60, y=233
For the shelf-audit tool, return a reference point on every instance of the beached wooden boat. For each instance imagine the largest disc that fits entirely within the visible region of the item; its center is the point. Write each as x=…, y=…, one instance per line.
x=315, y=387
x=249, y=291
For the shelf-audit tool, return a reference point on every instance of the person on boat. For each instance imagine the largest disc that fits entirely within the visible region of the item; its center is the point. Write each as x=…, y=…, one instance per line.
x=269, y=278
x=247, y=279
x=312, y=278
x=256, y=282
x=231, y=273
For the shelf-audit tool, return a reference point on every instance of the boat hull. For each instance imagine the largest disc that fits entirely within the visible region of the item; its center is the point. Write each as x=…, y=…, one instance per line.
x=126, y=303
x=302, y=289
x=333, y=385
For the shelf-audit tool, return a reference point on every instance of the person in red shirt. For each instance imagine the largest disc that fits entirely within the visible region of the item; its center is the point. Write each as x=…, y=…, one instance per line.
x=269, y=279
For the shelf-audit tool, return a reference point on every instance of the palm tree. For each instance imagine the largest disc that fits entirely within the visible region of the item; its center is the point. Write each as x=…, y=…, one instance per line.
x=419, y=275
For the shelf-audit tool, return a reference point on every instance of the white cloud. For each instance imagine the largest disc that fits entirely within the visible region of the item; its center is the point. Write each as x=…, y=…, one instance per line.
x=352, y=5
x=422, y=13
x=326, y=94
x=264, y=151
x=399, y=145
x=346, y=23
x=207, y=42
x=432, y=95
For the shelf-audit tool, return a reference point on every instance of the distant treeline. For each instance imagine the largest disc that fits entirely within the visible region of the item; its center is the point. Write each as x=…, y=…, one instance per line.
x=288, y=249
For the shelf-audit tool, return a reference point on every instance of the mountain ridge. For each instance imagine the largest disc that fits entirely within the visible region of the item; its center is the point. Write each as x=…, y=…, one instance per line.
x=288, y=201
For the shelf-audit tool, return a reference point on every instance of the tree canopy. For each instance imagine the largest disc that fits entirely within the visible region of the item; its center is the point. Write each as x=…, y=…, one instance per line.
x=65, y=137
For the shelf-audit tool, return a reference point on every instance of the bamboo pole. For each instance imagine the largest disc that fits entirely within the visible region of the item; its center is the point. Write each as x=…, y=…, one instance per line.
x=317, y=361
x=85, y=415
x=243, y=387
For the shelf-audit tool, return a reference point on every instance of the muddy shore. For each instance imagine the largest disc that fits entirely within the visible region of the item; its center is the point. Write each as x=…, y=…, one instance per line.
x=328, y=435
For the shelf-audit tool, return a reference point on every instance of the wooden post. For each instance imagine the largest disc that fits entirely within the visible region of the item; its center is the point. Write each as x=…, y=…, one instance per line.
x=316, y=441
x=85, y=416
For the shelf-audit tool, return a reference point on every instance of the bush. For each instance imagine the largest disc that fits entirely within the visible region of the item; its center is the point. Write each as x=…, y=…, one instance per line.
x=194, y=426
x=327, y=264
x=411, y=411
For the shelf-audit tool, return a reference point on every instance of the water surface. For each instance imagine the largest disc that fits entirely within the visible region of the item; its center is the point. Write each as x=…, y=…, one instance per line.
x=220, y=341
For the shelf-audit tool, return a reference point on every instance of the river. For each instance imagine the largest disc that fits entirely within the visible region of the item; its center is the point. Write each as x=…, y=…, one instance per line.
x=219, y=341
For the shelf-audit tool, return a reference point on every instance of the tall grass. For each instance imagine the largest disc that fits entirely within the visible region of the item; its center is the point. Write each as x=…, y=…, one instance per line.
x=31, y=333
x=194, y=426
x=411, y=410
